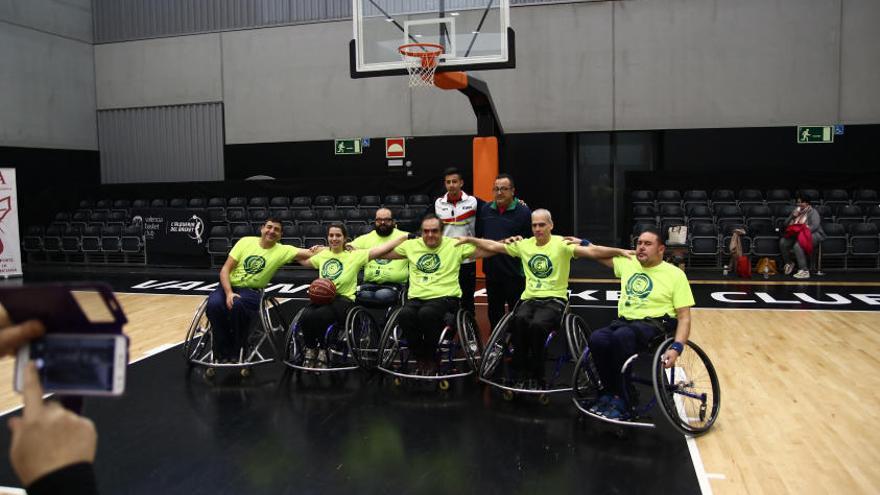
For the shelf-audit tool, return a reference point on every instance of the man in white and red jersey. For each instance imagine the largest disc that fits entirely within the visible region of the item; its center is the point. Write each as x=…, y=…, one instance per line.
x=458, y=212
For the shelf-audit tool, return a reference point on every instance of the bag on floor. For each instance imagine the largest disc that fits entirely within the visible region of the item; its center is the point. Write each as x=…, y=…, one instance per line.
x=744, y=267
x=766, y=266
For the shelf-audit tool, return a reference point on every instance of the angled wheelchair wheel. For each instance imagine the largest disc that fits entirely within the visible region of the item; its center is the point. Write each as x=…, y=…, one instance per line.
x=389, y=341
x=576, y=333
x=688, y=394
x=273, y=320
x=197, y=346
x=586, y=385
x=363, y=336
x=469, y=336
x=496, y=346
x=292, y=348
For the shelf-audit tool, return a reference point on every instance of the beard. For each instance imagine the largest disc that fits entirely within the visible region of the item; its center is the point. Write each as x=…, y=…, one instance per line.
x=384, y=230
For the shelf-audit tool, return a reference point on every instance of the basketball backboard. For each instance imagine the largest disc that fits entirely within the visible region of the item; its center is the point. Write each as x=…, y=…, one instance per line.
x=474, y=34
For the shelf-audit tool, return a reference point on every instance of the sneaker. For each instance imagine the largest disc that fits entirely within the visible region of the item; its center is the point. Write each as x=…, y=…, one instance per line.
x=309, y=358
x=322, y=359
x=615, y=409
x=802, y=274
x=600, y=403
x=788, y=268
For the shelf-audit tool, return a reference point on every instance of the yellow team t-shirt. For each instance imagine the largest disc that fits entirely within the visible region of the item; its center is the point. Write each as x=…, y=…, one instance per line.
x=256, y=266
x=650, y=292
x=546, y=267
x=381, y=271
x=433, y=273
x=341, y=269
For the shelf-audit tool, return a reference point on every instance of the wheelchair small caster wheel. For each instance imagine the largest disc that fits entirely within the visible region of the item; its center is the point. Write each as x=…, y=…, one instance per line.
x=210, y=372
x=443, y=385
x=245, y=372
x=507, y=394
x=544, y=399
x=397, y=381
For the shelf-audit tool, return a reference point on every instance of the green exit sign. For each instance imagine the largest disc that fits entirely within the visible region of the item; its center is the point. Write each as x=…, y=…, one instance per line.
x=348, y=146
x=815, y=134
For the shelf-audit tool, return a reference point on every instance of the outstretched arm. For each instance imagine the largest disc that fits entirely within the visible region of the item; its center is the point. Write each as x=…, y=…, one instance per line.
x=386, y=247
x=601, y=254
x=485, y=247
x=303, y=256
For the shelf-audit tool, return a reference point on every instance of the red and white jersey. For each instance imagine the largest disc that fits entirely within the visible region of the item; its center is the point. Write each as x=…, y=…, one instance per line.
x=460, y=217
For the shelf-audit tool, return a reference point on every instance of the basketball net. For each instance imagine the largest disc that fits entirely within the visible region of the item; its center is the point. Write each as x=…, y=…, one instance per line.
x=420, y=60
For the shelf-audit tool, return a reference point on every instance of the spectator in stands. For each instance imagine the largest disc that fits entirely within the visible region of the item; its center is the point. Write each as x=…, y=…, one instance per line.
x=382, y=278
x=504, y=217
x=434, y=292
x=655, y=298
x=546, y=261
x=340, y=266
x=458, y=212
x=251, y=264
x=803, y=233
x=52, y=449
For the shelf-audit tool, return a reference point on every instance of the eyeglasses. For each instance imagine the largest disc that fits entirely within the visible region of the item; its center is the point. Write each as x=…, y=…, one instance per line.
x=501, y=189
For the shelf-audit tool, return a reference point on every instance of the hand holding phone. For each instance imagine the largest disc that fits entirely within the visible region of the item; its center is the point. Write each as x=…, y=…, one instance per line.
x=76, y=364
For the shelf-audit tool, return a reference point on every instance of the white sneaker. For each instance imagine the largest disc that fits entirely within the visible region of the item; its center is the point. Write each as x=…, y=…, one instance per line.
x=802, y=274
x=789, y=267
x=322, y=359
x=309, y=357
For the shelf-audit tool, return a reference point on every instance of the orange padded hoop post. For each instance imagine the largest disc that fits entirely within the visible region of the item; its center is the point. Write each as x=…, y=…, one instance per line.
x=451, y=80
x=485, y=170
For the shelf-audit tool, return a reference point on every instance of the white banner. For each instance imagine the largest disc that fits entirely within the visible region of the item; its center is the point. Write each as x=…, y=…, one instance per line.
x=10, y=240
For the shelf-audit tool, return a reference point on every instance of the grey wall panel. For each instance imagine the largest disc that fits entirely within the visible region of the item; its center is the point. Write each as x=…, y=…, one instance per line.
x=292, y=84
x=162, y=144
x=562, y=80
x=683, y=63
x=860, y=63
x=68, y=18
x=167, y=71
x=47, y=90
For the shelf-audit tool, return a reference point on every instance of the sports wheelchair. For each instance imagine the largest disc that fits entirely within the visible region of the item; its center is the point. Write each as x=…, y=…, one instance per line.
x=688, y=393
x=459, y=349
x=495, y=369
x=347, y=347
x=258, y=346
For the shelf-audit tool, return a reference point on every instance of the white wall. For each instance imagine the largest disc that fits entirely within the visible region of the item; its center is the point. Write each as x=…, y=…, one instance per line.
x=47, y=82
x=630, y=64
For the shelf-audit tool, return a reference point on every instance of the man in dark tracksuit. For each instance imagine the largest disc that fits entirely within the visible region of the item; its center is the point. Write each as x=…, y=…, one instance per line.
x=505, y=217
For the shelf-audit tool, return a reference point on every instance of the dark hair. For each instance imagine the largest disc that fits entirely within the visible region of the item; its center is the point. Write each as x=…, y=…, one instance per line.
x=657, y=233
x=273, y=220
x=431, y=216
x=452, y=171
x=506, y=176
x=801, y=199
x=337, y=225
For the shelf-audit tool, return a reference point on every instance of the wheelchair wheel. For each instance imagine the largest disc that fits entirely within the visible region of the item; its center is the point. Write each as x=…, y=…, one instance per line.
x=689, y=394
x=363, y=336
x=273, y=320
x=576, y=333
x=585, y=382
x=496, y=347
x=389, y=342
x=469, y=337
x=292, y=348
x=197, y=345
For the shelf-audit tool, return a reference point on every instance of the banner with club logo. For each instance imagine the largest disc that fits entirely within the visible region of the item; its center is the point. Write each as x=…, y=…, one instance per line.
x=174, y=236
x=10, y=240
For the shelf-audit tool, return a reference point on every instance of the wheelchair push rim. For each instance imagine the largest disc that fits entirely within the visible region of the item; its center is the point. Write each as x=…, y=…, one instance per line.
x=689, y=394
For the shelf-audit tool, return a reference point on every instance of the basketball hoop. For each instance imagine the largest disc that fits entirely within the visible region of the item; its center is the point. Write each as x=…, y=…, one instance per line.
x=420, y=60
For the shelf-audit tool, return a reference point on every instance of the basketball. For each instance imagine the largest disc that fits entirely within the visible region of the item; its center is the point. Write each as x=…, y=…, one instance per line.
x=322, y=291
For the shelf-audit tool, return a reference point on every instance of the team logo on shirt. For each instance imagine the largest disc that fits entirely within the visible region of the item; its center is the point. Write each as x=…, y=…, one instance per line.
x=382, y=261
x=331, y=269
x=254, y=264
x=428, y=263
x=540, y=265
x=638, y=286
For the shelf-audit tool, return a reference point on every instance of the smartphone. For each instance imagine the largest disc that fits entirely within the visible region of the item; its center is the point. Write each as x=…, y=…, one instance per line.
x=76, y=364
x=84, y=351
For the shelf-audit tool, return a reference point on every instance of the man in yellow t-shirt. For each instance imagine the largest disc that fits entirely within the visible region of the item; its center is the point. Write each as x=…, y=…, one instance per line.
x=250, y=266
x=655, y=297
x=383, y=279
x=434, y=292
x=546, y=262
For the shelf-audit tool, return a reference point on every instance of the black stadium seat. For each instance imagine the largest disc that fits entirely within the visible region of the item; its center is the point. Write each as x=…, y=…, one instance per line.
x=723, y=197
x=370, y=201
x=835, y=246
x=699, y=197
x=301, y=202
x=394, y=201
x=849, y=215
x=750, y=197
x=642, y=197
x=324, y=202
x=703, y=245
x=866, y=199
x=864, y=245
x=835, y=197
x=418, y=201
x=177, y=203
x=346, y=201
x=668, y=197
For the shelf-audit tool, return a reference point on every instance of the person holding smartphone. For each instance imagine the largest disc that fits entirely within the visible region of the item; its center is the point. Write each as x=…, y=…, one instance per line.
x=52, y=449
